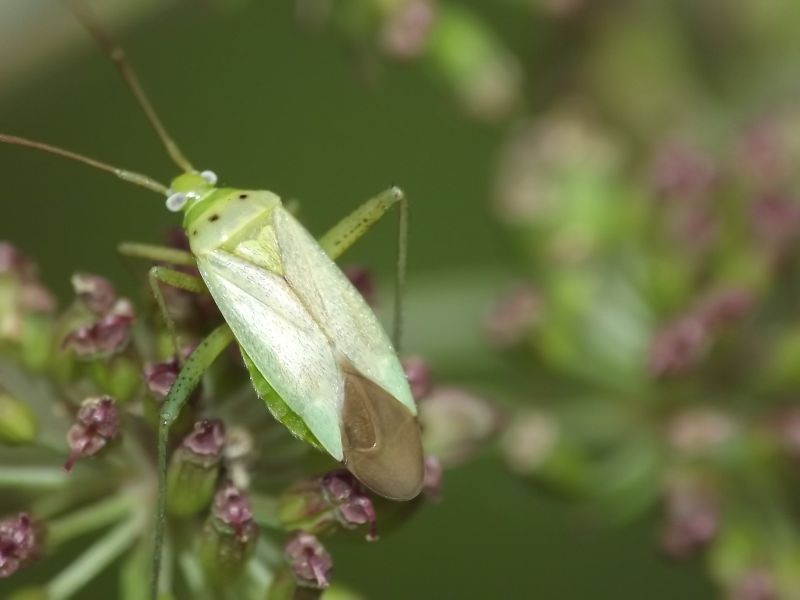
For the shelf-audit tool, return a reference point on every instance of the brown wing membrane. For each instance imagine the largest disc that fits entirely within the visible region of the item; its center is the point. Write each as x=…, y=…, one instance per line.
x=380, y=438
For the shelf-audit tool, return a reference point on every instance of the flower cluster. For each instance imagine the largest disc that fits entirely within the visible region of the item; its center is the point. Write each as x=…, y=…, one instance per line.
x=79, y=399
x=658, y=319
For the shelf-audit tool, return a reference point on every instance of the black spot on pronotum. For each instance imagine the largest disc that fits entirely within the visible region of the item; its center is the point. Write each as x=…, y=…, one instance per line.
x=242, y=196
x=213, y=218
x=194, y=232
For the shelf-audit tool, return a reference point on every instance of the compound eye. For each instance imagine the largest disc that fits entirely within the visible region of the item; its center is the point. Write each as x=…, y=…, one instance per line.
x=176, y=201
x=209, y=177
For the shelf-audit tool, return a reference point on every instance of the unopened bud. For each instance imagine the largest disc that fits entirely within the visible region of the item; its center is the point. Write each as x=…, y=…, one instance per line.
x=319, y=504
x=96, y=424
x=194, y=469
x=18, y=423
x=309, y=560
x=107, y=336
x=19, y=543
x=455, y=424
x=352, y=505
x=95, y=292
x=159, y=377
x=229, y=534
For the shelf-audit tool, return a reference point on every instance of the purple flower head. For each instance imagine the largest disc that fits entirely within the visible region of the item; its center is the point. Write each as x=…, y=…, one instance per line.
x=159, y=377
x=19, y=543
x=95, y=292
x=96, y=424
x=207, y=439
x=104, y=337
x=310, y=561
x=232, y=507
x=352, y=505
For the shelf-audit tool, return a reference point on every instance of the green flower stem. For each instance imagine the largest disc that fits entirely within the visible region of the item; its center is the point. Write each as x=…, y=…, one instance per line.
x=91, y=518
x=32, y=477
x=94, y=560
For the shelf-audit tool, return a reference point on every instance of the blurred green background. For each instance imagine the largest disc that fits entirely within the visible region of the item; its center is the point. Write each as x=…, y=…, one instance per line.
x=268, y=104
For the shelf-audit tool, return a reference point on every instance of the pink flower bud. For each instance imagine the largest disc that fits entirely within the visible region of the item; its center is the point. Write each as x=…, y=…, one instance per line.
x=310, y=562
x=97, y=423
x=352, y=505
x=97, y=293
x=19, y=543
x=232, y=507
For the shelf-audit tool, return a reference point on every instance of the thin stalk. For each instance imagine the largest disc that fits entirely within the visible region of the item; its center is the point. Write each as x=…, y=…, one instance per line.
x=32, y=477
x=91, y=518
x=94, y=560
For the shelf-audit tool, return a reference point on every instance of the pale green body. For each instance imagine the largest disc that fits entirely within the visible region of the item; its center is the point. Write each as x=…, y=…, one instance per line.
x=292, y=311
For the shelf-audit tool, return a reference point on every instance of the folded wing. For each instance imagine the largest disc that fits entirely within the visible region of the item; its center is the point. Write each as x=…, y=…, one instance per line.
x=288, y=347
x=339, y=308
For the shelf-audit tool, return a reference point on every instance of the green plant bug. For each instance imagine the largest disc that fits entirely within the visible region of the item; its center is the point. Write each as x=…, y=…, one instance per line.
x=315, y=352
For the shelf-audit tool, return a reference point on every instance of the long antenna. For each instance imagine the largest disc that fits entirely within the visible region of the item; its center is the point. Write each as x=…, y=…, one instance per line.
x=129, y=176
x=117, y=56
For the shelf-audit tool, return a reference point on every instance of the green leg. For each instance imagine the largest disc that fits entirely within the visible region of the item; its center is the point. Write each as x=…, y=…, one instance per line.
x=188, y=379
x=347, y=231
x=158, y=275
x=190, y=283
x=163, y=254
